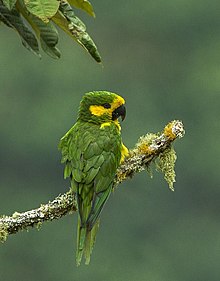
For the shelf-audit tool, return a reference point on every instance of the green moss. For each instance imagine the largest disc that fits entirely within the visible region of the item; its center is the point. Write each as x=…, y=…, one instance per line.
x=166, y=164
x=146, y=139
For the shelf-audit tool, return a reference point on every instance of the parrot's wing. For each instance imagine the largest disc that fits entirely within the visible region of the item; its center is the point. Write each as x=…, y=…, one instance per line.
x=92, y=157
x=98, y=203
x=106, y=166
x=66, y=142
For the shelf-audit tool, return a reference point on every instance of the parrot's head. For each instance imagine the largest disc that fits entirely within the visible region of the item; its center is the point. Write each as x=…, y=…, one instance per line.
x=101, y=107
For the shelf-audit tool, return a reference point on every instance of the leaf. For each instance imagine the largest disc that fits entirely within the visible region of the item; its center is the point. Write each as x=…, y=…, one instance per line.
x=84, y=5
x=13, y=19
x=38, y=14
x=46, y=32
x=90, y=46
x=42, y=9
x=73, y=26
x=4, y=20
x=9, y=3
x=48, y=43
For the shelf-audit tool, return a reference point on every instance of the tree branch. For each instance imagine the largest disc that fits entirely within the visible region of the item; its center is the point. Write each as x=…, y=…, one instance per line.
x=148, y=149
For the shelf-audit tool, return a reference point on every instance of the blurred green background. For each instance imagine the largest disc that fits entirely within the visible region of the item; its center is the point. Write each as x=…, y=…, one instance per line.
x=163, y=57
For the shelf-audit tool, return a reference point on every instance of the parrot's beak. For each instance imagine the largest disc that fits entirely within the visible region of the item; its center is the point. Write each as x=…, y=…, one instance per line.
x=120, y=111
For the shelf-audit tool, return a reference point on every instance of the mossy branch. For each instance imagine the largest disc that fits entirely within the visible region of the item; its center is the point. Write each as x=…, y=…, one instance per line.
x=149, y=148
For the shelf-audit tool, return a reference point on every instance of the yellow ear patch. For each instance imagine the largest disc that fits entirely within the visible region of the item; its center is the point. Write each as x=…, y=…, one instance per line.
x=99, y=110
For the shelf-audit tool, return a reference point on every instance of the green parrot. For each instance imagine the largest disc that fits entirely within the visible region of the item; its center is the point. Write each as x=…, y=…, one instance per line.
x=92, y=151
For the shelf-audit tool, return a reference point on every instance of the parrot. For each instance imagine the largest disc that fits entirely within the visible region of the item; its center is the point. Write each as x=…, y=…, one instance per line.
x=92, y=150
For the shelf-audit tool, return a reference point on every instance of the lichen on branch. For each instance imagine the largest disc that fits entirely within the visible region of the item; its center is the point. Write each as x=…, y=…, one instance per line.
x=59, y=207
x=149, y=148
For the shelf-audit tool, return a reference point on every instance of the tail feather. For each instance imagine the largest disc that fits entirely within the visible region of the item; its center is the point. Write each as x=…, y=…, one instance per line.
x=85, y=242
x=98, y=203
x=81, y=236
x=88, y=247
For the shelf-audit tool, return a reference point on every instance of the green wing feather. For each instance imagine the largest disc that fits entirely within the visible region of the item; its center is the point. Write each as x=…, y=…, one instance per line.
x=92, y=156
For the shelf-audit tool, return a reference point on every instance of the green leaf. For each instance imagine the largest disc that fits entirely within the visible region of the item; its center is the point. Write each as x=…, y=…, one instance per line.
x=48, y=42
x=4, y=20
x=73, y=26
x=9, y=3
x=38, y=14
x=13, y=19
x=84, y=5
x=42, y=9
x=90, y=46
x=46, y=32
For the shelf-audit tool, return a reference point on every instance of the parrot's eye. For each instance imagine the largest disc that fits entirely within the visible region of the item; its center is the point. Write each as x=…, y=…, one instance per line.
x=106, y=105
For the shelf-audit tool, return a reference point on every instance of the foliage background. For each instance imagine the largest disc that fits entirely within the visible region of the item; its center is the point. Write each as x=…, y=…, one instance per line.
x=163, y=57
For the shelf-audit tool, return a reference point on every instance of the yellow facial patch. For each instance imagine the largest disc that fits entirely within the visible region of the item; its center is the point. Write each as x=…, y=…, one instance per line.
x=99, y=110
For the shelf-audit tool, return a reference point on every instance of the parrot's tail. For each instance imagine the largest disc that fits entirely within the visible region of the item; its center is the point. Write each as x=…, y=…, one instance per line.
x=85, y=241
